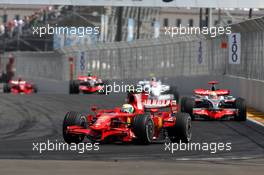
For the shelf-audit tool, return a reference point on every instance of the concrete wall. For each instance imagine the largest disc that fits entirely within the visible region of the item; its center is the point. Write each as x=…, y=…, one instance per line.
x=251, y=90
x=49, y=65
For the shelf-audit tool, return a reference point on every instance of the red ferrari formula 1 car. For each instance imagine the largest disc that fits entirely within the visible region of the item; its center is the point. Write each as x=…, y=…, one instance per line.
x=88, y=84
x=141, y=120
x=214, y=104
x=19, y=87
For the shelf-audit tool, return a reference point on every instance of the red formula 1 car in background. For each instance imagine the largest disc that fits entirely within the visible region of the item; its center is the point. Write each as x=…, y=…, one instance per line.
x=88, y=84
x=19, y=87
x=214, y=104
x=142, y=120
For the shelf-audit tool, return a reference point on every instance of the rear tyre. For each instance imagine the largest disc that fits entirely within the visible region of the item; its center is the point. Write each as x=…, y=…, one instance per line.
x=183, y=99
x=74, y=87
x=71, y=90
x=6, y=88
x=143, y=128
x=240, y=104
x=187, y=105
x=70, y=119
x=35, y=88
x=182, y=130
x=173, y=90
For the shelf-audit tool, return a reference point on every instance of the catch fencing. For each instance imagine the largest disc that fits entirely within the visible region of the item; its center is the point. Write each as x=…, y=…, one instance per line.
x=170, y=57
x=164, y=57
x=189, y=61
x=252, y=34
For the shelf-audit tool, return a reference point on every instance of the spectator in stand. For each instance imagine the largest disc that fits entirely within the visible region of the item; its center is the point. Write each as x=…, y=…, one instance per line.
x=15, y=23
x=10, y=28
x=20, y=26
x=2, y=29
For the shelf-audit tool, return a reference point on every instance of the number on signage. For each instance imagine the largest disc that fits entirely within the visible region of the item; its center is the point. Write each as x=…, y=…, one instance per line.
x=82, y=62
x=234, y=49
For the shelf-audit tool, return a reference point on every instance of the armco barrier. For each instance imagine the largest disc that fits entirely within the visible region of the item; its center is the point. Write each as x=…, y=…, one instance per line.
x=163, y=57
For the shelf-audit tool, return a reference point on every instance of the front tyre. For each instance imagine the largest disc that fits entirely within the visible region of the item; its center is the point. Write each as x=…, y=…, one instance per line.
x=240, y=104
x=70, y=119
x=182, y=130
x=74, y=87
x=143, y=128
x=6, y=88
x=35, y=89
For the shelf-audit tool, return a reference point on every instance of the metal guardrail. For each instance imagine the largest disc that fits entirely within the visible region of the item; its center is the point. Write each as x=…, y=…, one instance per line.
x=179, y=56
x=163, y=57
x=138, y=59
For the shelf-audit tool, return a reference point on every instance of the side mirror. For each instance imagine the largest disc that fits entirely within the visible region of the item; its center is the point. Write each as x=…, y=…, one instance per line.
x=93, y=108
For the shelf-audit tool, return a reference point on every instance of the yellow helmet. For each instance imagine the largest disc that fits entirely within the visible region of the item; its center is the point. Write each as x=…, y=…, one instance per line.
x=128, y=108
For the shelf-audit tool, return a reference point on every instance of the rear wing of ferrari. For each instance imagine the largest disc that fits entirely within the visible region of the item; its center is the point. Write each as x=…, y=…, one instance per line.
x=161, y=104
x=141, y=102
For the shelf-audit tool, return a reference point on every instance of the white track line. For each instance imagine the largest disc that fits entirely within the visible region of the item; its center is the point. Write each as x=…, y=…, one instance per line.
x=256, y=122
x=215, y=158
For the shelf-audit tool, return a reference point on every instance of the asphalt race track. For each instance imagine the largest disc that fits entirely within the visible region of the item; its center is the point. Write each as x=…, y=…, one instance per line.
x=38, y=118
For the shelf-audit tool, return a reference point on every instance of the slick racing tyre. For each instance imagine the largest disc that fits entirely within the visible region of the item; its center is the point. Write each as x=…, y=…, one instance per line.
x=182, y=130
x=143, y=128
x=6, y=88
x=35, y=88
x=187, y=105
x=74, y=87
x=173, y=90
x=70, y=119
x=240, y=104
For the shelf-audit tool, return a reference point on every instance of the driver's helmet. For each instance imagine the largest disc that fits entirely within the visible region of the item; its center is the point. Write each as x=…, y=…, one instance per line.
x=213, y=88
x=213, y=95
x=153, y=79
x=89, y=74
x=128, y=108
x=19, y=79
